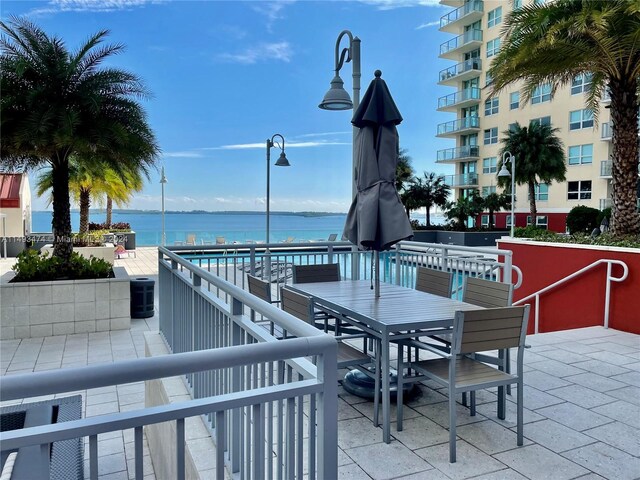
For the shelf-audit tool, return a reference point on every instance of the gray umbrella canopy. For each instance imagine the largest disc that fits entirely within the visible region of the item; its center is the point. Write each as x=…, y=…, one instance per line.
x=377, y=218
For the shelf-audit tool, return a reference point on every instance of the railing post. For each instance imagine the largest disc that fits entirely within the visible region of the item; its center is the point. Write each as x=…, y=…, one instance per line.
x=197, y=283
x=235, y=445
x=508, y=269
x=398, y=266
x=328, y=414
x=330, y=254
x=355, y=263
x=252, y=260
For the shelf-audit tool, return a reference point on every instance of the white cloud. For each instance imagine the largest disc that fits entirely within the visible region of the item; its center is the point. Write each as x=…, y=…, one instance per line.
x=249, y=146
x=54, y=6
x=184, y=154
x=324, y=134
x=435, y=23
x=264, y=51
x=271, y=10
x=392, y=4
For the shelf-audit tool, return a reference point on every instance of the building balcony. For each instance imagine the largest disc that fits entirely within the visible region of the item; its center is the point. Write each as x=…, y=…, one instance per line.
x=465, y=15
x=462, y=180
x=453, y=155
x=606, y=168
x=451, y=3
x=459, y=127
x=606, y=131
x=461, y=44
x=460, y=72
x=459, y=99
x=605, y=203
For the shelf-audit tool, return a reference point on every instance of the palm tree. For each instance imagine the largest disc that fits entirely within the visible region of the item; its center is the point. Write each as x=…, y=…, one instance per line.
x=539, y=158
x=463, y=208
x=404, y=170
x=554, y=42
x=119, y=189
x=56, y=103
x=494, y=202
x=427, y=191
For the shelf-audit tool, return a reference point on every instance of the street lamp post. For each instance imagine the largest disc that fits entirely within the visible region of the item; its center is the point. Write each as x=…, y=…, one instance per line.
x=281, y=162
x=337, y=97
x=163, y=180
x=507, y=157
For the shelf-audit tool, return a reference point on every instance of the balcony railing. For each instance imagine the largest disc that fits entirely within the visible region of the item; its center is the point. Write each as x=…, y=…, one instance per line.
x=468, y=37
x=453, y=154
x=462, y=180
x=468, y=95
x=605, y=168
x=606, y=131
x=458, y=125
x=605, y=203
x=473, y=65
x=475, y=6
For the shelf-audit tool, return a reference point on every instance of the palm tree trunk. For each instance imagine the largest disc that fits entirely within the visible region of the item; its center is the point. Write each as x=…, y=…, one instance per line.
x=85, y=203
x=428, y=215
x=624, y=115
x=532, y=202
x=61, y=223
x=109, y=210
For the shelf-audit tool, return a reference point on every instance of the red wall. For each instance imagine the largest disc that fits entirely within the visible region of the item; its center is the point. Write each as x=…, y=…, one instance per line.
x=579, y=302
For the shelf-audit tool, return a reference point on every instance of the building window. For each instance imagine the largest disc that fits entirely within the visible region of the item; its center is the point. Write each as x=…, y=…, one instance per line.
x=495, y=17
x=541, y=192
x=508, y=220
x=542, y=221
x=580, y=119
x=512, y=127
x=489, y=165
x=488, y=79
x=541, y=93
x=484, y=221
x=581, y=83
x=493, y=46
x=491, y=136
x=517, y=4
x=581, y=154
x=580, y=190
x=542, y=121
x=488, y=190
x=491, y=106
x=514, y=100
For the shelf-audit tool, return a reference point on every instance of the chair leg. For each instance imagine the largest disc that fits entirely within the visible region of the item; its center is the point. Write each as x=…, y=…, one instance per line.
x=472, y=406
x=520, y=420
x=452, y=425
x=507, y=363
x=377, y=382
x=399, y=386
x=464, y=399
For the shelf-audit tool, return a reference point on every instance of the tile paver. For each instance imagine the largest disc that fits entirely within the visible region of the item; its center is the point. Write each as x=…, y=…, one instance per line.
x=582, y=409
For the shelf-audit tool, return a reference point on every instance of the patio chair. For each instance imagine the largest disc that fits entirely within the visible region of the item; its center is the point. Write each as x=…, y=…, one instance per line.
x=477, y=331
x=191, y=239
x=220, y=240
x=289, y=240
x=319, y=272
x=262, y=290
x=433, y=281
x=332, y=237
x=302, y=307
x=120, y=251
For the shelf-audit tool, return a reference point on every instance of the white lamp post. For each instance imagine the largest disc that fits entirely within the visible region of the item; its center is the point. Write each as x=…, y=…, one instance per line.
x=337, y=97
x=163, y=180
x=507, y=157
x=282, y=162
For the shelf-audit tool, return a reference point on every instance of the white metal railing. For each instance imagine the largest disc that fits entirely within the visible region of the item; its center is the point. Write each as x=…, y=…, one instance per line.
x=568, y=278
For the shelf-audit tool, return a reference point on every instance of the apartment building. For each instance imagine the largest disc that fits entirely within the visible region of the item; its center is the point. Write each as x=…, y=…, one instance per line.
x=480, y=121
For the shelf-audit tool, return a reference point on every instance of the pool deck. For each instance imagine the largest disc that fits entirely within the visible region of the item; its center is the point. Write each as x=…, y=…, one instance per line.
x=582, y=408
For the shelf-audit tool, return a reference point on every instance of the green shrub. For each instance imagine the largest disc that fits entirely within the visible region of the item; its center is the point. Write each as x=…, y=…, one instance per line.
x=582, y=219
x=532, y=231
x=34, y=267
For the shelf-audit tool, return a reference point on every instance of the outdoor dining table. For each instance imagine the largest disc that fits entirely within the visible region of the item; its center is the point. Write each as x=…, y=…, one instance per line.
x=399, y=312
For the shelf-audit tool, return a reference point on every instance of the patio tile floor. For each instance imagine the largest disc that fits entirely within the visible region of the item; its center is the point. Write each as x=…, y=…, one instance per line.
x=582, y=409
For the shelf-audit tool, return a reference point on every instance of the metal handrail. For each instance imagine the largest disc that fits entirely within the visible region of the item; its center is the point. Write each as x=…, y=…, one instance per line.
x=610, y=278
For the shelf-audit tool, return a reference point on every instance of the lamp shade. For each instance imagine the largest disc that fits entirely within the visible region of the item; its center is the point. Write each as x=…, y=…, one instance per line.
x=504, y=172
x=337, y=97
x=282, y=161
x=163, y=178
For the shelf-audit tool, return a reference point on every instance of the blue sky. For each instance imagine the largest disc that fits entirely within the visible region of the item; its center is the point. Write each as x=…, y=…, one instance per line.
x=227, y=75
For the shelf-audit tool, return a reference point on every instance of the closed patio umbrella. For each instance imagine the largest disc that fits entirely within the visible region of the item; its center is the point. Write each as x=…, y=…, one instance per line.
x=377, y=219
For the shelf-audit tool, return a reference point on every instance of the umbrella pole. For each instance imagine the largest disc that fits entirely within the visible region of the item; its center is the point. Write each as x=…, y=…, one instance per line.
x=376, y=270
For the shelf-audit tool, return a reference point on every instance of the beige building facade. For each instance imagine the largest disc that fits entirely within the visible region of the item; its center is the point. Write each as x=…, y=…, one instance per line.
x=481, y=120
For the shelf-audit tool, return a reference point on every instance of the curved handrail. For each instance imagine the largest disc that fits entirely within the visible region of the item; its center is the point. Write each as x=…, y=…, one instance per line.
x=575, y=274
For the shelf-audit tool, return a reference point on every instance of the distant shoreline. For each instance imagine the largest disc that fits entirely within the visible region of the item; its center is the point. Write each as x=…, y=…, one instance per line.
x=206, y=212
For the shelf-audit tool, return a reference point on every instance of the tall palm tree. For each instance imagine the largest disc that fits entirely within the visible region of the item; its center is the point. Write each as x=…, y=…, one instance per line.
x=56, y=103
x=120, y=188
x=554, y=42
x=463, y=208
x=428, y=191
x=404, y=170
x=494, y=202
x=539, y=158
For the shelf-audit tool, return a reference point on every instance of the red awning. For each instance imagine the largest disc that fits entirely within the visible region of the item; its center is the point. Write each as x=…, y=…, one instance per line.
x=10, y=190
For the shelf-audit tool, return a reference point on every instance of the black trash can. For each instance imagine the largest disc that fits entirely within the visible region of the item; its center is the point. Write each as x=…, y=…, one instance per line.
x=142, y=297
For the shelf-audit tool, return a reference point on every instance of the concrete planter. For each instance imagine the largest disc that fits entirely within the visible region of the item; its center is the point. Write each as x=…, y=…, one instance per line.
x=105, y=252
x=465, y=239
x=42, y=309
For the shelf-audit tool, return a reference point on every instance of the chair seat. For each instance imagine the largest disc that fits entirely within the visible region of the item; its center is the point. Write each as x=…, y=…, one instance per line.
x=468, y=372
x=348, y=355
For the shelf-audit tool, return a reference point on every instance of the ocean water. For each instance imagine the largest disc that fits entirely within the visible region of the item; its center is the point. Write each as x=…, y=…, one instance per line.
x=206, y=227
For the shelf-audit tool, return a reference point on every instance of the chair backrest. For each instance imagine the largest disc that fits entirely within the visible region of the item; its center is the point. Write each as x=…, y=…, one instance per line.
x=219, y=240
x=259, y=288
x=320, y=272
x=332, y=237
x=191, y=239
x=297, y=305
x=489, y=329
x=486, y=293
x=434, y=281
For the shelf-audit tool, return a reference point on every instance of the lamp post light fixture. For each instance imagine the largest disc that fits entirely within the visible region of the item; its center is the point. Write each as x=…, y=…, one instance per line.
x=281, y=162
x=163, y=180
x=507, y=157
x=337, y=97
